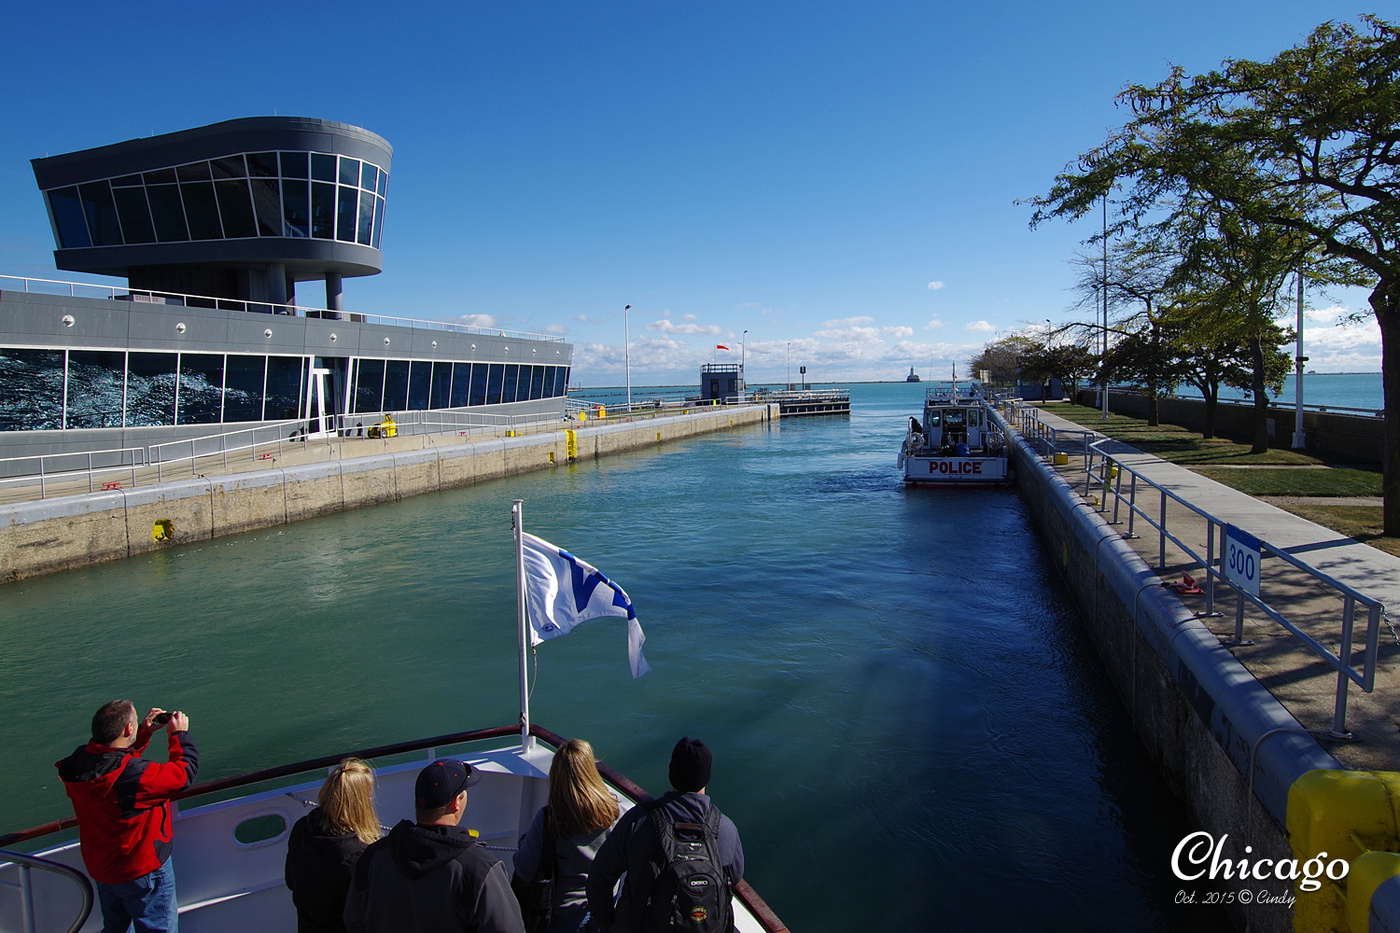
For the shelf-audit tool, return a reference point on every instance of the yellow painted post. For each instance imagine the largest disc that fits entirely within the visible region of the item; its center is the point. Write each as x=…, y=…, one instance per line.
x=1345, y=814
x=571, y=444
x=602, y=412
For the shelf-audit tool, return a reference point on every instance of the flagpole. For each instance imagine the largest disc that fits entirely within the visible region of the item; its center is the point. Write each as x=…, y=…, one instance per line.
x=517, y=512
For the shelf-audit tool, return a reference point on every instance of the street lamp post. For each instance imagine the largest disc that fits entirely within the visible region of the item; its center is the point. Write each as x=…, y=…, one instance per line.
x=1105, y=308
x=743, y=357
x=627, y=357
x=1300, y=438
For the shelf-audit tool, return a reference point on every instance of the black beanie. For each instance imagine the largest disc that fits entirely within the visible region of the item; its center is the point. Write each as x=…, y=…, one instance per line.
x=690, y=765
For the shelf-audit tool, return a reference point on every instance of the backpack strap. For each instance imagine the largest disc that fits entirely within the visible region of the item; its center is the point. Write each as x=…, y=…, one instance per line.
x=547, y=853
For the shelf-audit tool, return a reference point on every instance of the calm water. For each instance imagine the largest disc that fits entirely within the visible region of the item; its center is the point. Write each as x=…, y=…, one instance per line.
x=908, y=726
x=1344, y=390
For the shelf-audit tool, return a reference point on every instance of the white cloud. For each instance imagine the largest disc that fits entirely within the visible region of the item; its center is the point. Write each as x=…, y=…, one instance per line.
x=837, y=354
x=849, y=334
x=981, y=327
x=900, y=331
x=848, y=322
x=556, y=329
x=478, y=320
x=934, y=286
x=581, y=318
x=934, y=324
x=666, y=327
x=687, y=317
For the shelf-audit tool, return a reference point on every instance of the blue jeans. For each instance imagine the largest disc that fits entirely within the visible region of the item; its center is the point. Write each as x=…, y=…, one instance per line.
x=148, y=902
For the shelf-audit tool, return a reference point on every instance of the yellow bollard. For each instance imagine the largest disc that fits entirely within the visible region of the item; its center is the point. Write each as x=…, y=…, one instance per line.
x=602, y=412
x=583, y=416
x=1350, y=815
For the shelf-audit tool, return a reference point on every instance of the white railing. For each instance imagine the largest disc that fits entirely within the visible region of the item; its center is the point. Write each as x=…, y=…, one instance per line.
x=111, y=469
x=1105, y=471
x=27, y=865
x=1107, y=474
x=114, y=292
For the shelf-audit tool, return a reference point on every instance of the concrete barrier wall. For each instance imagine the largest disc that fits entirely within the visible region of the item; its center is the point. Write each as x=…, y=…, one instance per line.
x=59, y=534
x=1351, y=437
x=1198, y=712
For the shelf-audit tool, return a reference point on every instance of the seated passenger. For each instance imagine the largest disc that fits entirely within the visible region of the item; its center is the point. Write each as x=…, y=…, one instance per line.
x=962, y=449
x=325, y=844
x=576, y=821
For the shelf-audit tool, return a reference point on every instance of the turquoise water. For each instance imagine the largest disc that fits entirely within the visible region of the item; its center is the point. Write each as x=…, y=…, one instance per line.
x=909, y=727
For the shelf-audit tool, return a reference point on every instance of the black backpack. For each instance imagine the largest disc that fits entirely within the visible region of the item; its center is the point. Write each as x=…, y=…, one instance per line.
x=692, y=891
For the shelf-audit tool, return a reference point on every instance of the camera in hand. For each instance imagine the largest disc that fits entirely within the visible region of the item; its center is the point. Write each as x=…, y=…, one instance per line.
x=161, y=719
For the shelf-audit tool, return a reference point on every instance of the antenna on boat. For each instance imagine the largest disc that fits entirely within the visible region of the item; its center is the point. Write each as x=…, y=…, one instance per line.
x=517, y=521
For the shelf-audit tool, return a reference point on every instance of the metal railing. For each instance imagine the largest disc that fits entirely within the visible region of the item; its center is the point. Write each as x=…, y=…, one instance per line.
x=1046, y=439
x=119, y=468
x=1106, y=471
x=123, y=293
x=47, y=469
x=761, y=911
x=26, y=864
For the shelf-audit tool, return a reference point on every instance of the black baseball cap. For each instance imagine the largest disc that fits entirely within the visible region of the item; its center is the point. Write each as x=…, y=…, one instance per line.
x=442, y=781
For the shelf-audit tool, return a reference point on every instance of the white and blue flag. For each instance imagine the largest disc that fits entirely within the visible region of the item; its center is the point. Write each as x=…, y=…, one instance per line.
x=562, y=591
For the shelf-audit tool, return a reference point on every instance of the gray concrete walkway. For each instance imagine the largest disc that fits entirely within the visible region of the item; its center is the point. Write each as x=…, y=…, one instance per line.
x=1277, y=658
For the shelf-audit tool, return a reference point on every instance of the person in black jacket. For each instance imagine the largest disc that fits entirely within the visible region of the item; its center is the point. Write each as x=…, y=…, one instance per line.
x=633, y=849
x=431, y=876
x=325, y=844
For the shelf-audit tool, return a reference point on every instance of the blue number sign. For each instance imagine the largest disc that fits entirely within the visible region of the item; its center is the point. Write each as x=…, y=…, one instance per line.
x=1242, y=556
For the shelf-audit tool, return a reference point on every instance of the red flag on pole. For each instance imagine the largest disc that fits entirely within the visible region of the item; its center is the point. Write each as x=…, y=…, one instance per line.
x=720, y=346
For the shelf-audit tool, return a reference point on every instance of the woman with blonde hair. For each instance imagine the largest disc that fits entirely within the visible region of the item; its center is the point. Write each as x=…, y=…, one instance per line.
x=325, y=844
x=580, y=813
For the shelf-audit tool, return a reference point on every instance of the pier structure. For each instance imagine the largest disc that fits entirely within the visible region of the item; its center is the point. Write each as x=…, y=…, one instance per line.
x=212, y=229
x=203, y=498
x=1244, y=714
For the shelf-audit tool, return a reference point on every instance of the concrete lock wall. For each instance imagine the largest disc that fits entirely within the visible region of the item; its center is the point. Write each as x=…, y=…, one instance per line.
x=59, y=534
x=1198, y=712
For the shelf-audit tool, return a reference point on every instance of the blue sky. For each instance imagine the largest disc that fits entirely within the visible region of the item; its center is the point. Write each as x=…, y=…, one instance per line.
x=836, y=178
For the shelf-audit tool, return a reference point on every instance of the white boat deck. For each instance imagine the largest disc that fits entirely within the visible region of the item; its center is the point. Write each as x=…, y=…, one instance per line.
x=229, y=853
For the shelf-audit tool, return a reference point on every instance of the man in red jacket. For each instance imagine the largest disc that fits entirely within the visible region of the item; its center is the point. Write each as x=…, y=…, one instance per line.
x=122, y=802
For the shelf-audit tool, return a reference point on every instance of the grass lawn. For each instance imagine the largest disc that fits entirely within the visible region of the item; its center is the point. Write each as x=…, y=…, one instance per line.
x=1176, y=444
x=1187, y=448
x=1361, y=522
x=1289, y=482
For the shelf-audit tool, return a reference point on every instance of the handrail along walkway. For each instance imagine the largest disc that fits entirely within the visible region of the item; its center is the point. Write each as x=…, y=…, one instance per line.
x=1105, y=470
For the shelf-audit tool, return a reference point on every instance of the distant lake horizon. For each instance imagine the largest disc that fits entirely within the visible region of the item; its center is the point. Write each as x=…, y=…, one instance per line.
x=1362, y=391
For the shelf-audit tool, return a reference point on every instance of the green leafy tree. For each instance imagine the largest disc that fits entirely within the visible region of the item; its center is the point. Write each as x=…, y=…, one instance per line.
x=1005, y=358
x=1214, y=352
x=1244, y=264
x=1306, y=141
x=1148, y=357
